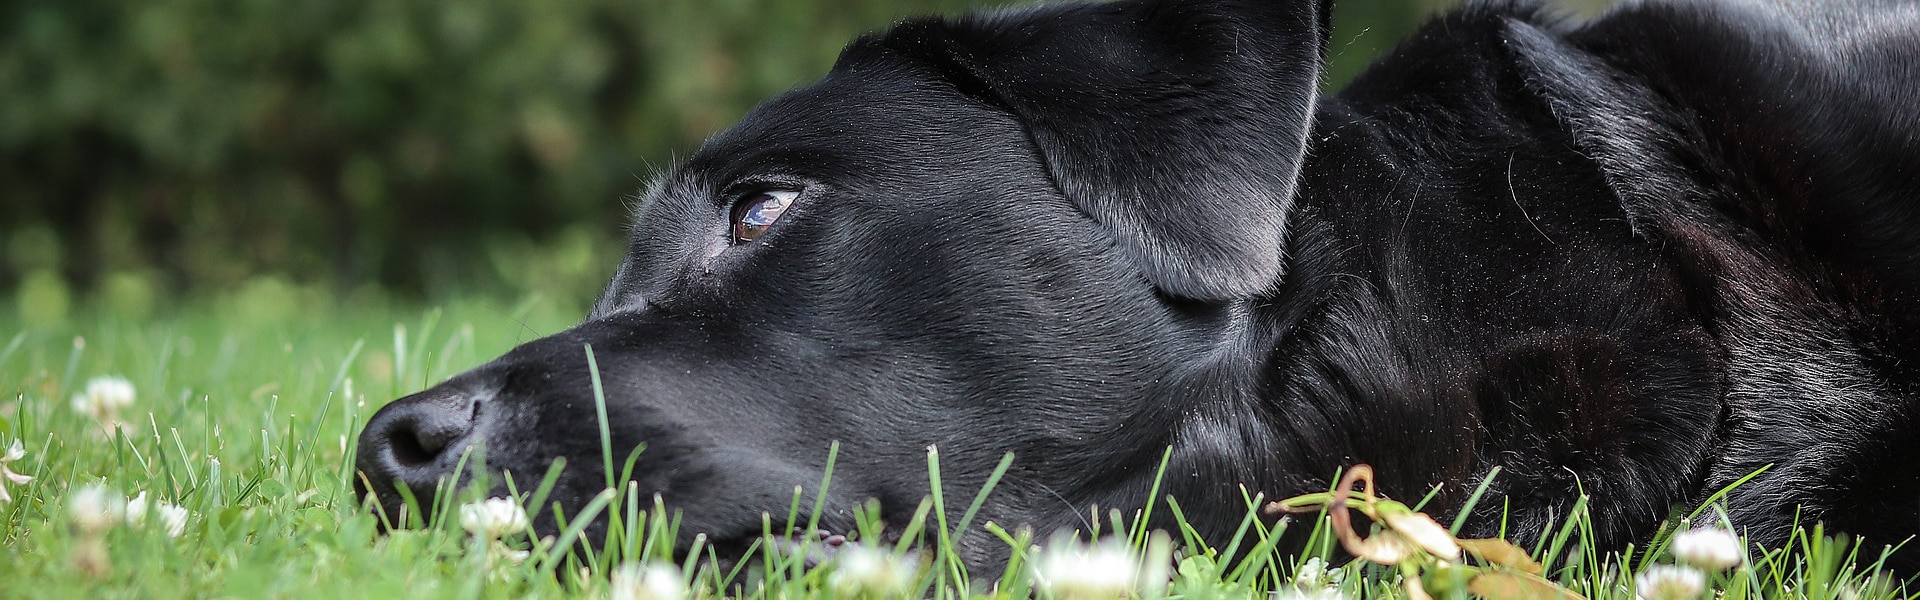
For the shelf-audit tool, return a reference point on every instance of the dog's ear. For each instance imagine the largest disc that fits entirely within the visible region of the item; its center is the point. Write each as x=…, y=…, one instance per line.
x=1178, y=124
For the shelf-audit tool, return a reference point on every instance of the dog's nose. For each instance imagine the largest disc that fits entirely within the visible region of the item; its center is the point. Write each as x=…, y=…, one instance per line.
x=416, y=441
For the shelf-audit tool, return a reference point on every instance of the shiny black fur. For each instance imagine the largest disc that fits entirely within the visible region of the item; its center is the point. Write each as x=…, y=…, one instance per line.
x=1637, y=258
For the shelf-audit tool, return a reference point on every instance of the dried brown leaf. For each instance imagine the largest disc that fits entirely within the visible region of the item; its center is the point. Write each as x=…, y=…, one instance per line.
x=1515, y=585
x=1500, y=552
x=1423, y=531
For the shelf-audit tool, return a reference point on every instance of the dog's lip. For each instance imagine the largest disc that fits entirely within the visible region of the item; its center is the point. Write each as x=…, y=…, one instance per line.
x=824, y=536
x=794, y=538
x=818, y=545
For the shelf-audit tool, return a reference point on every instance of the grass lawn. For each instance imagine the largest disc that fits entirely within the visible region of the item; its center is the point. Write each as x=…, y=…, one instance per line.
x=243, y=415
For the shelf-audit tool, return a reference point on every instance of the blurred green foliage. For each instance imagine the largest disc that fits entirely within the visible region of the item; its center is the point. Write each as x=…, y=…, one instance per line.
x=153, y=148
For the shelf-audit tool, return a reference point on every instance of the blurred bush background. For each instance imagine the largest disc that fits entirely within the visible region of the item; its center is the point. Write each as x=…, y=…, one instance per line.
x=288, y=152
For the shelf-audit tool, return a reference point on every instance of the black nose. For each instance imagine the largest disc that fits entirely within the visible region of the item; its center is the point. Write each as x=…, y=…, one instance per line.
x=415, y=442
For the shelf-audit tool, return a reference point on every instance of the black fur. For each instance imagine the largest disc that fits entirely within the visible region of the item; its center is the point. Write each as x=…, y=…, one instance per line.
x=1637, y=258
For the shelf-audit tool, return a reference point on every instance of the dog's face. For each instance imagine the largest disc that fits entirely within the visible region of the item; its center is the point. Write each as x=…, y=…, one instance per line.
x=895, y=303
x=929, y=247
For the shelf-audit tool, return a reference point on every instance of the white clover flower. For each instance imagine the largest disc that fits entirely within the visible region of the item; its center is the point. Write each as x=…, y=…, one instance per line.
x=1070, y=570
x=1669, y=582
x=649, y=581
x=173, y=518
x=104, y=397
x=1296, y=593
x=1711, y=549
x=14, y=452
x=1311, y=572
x=1317, y=573
x=493, y=517
x=859, y=570
x=96, y=509
x=1316, y=580
x=137, y=508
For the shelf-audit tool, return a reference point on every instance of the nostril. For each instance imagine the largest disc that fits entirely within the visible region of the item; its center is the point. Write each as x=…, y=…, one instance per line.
x=413, y=433
x=409, y=449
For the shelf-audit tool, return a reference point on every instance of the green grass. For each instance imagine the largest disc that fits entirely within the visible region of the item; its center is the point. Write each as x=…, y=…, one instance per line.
x=245, y=418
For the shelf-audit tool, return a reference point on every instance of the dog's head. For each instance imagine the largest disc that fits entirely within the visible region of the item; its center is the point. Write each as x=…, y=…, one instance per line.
x=1028, y=232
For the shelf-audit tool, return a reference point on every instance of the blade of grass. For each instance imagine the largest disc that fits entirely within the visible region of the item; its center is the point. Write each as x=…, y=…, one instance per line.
x=600, y=412
x=1473, y=500
x=1139, y=535
x=12, y=346
x=980, y=499
x=954, y=568
x=563, y=546
x=1566, y=531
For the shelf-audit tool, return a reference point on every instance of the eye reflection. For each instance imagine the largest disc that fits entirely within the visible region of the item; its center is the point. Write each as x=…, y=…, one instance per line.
x=755, y=213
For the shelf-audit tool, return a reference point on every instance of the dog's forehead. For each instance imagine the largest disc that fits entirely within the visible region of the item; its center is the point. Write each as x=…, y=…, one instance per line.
x=878, y=123
x=865, y=114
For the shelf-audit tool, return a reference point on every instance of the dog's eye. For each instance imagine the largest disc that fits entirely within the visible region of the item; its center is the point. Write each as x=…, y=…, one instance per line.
x=756, y=212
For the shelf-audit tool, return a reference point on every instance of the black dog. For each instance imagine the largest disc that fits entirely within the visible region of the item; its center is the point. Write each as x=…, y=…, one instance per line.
x=1636, y=259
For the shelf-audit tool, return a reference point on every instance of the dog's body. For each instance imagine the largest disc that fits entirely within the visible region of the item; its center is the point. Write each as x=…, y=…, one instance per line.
x=1642, y=259
x=1638, y=259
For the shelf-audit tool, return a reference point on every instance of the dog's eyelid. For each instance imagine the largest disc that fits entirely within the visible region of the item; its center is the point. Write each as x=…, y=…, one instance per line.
x=784, y=194
x=746, y=186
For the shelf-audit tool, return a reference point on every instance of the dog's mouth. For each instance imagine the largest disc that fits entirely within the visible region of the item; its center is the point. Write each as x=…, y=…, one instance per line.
x=815, y=547
x=801, y=547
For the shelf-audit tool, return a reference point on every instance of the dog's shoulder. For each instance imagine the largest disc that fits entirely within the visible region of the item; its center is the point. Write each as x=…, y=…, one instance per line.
x=1840, y=73
x=1798, y=114
x=1802, y=109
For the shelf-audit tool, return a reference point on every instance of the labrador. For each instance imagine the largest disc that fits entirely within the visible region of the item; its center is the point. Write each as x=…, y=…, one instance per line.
x=1634, y=260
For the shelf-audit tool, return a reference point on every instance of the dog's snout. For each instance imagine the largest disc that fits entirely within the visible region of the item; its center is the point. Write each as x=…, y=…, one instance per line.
x=416, y=441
